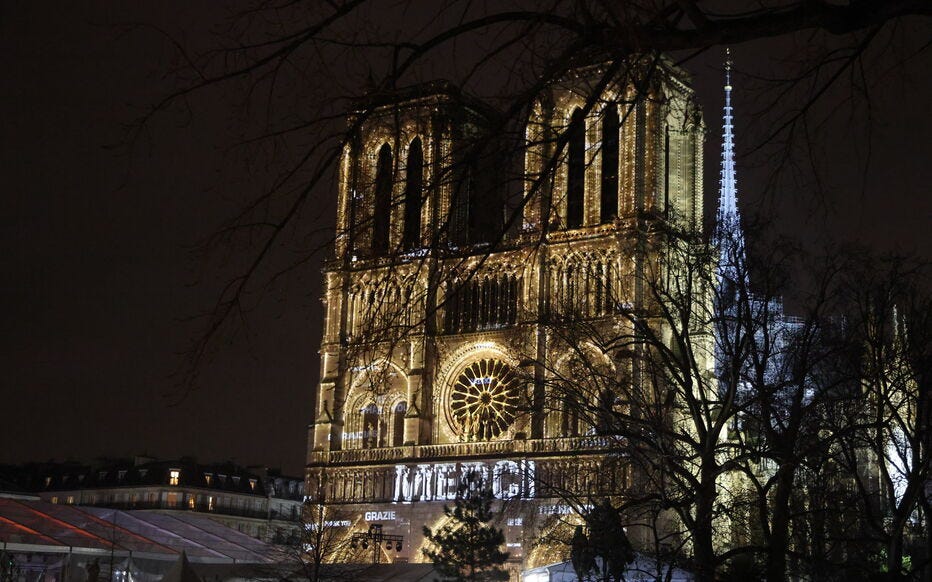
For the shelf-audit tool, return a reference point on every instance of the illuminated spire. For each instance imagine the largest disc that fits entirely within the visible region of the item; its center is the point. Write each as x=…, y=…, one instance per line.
x=728, y=187
x=728, y=233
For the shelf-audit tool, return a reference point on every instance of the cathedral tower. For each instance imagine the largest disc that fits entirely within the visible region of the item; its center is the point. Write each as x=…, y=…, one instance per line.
x=452, y=311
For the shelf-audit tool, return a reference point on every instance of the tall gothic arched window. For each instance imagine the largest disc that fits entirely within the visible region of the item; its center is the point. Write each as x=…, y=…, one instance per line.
x=576, y=170
x=414, y=195
x=383, y=201
x=462, y=215
x=609, y=205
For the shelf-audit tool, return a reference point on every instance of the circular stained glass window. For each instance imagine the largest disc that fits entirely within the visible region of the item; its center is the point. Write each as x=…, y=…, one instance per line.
x=484, y=400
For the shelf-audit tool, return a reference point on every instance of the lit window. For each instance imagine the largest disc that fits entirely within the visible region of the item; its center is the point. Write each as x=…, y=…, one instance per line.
x=55, y=500
x=252, y=484
x=48, y=481
x=70, y=500
x=191, y=502
x=174, y=476
x=210, y=503
x=208, y=478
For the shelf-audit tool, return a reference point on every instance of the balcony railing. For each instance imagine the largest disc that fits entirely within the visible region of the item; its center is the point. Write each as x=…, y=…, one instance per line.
x=583, y=444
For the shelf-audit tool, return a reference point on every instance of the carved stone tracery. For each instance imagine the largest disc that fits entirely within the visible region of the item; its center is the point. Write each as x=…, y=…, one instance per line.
x=484, y=400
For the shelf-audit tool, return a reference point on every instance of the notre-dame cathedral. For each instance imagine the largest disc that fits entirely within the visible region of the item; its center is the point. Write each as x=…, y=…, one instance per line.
x=464, y=285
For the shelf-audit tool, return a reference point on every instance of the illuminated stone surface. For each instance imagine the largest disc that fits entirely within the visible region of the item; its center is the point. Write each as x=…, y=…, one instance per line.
x=442, y=355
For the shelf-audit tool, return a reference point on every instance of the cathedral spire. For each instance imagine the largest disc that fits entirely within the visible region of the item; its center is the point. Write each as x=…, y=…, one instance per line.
x=728, y=233
x=728, y=188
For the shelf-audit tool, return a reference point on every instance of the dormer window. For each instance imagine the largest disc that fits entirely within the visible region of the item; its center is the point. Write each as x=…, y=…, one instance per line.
x=143, y=472
x=48, y=481
x=101, y=475
x=121, y=475
x=223, y=479
x=252, y=484
x=208, y=477
x=235, y=480
x=174, y=476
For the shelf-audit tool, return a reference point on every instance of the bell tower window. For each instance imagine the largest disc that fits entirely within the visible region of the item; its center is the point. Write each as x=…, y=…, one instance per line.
x=609, y=205
x=383, y=201
x=413, y=195
x=576, y=170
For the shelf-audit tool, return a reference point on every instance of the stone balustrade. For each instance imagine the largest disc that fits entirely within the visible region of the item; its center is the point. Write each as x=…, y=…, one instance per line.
x=467, y=450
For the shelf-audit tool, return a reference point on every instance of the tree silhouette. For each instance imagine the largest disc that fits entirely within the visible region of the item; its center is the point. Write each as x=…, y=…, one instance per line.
x=467, y=547
x=305, y=66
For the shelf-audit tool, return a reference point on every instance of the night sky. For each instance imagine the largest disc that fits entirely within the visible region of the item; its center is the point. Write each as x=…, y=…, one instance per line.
x=99, y=278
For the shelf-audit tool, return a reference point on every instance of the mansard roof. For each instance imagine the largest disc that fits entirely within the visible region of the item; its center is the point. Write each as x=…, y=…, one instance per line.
x=143, y=472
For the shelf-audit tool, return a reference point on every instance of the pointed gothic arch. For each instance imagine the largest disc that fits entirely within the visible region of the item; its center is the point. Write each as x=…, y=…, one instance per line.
x=382, y=204
x=414, y=195
x=376, y=395
x=580, y=396
x=608, y=207
x=576, y=170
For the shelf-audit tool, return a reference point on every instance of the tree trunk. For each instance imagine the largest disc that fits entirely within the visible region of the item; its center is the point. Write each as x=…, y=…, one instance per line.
x=895, y=555
x=779, y=526
x=703, y=549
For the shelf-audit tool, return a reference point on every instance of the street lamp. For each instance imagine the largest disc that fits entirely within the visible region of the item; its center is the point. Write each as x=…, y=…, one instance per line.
x=376, y=537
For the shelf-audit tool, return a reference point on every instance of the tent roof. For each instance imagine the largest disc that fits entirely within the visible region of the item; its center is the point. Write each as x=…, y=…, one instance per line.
x=93, y=529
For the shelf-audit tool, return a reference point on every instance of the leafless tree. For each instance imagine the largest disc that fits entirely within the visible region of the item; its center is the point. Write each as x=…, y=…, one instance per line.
x=690, y=391
x=299, y=68
x=773, y=458
x=886, y=456
x=322, y=541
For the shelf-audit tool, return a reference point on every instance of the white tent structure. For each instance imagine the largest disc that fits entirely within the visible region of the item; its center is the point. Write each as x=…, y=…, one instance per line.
x=68, y=543
x=643, y=569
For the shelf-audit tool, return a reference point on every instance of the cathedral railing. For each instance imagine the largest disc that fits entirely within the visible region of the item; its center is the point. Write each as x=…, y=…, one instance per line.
x=589, y=443
x=367, y=455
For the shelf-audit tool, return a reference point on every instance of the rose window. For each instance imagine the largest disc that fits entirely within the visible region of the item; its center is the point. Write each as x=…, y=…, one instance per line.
x=484, y=400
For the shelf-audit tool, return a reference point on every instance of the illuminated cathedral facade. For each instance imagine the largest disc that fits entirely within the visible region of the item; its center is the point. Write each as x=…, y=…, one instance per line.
x=464, y=285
